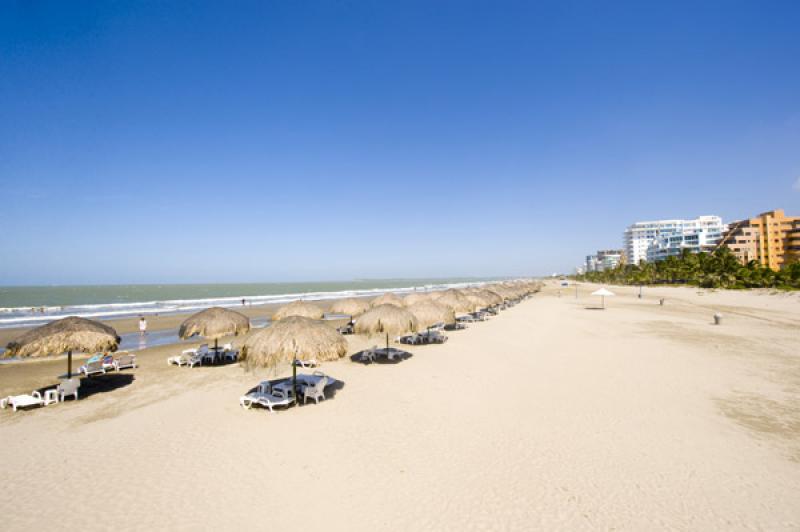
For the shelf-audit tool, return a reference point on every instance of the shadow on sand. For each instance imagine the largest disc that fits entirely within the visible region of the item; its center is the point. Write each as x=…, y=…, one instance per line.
x=398, y=355
x=98, y=384
x=330, y=393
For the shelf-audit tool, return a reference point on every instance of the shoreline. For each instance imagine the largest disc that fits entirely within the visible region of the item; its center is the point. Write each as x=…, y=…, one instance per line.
x=155, y=325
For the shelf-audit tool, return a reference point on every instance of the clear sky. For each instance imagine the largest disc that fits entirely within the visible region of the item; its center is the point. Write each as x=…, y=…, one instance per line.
x=293, y=140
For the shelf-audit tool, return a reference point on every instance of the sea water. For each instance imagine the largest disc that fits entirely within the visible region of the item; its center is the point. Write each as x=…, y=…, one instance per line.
x=24, y=306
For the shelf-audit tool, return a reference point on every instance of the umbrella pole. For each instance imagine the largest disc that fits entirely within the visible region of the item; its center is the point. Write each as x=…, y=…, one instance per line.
x=294, y=378
x=387, y=343
x=69, y=364
x=216, y=347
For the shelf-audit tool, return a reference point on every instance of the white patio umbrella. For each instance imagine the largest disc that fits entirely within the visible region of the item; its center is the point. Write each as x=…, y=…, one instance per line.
x=603, y=293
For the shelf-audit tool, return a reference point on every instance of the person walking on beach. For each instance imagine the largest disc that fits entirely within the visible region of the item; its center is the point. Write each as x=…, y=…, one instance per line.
x=142, y=326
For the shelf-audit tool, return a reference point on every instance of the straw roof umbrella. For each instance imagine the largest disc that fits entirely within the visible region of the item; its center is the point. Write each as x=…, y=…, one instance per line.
x=386, y=319
x=456, y=300
x=392, y=299
x=214, y=323
x=351, y=306
x=477, y=301
x=492, y=297
x=415, y=297
x=431, y=312
x=503, y=291
x=67, y=334
x=292, y=337
x=289, y=338
x=299, y=308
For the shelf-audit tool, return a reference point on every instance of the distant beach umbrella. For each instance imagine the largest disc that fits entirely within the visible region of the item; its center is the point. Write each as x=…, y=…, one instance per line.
x=214, y=323
x=456, y=300
x=429, y=313
x=390, y=298
x=415, y=297
x=386, y=319
x=507, y=293
x=603, y=293
x=351, y=306
x=65, y=336
x=492, y=298
x=478, y=301
x=298, y=308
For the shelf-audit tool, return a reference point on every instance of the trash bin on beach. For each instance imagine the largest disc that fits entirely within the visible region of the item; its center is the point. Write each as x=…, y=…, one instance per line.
x=661, y=301
x=717, y=318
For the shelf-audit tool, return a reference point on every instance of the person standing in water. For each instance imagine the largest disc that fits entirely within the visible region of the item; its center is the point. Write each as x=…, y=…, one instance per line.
x=142, y=326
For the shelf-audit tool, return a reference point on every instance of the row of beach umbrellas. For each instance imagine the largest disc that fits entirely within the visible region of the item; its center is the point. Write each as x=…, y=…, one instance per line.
x=298, y=330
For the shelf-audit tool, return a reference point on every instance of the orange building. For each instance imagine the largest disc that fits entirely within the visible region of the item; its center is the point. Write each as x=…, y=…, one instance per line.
x=770, y=239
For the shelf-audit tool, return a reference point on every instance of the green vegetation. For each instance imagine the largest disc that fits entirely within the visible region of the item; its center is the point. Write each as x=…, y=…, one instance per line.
x=719, y=269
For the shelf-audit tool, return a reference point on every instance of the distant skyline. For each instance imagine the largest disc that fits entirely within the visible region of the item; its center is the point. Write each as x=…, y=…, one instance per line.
x=299, y=141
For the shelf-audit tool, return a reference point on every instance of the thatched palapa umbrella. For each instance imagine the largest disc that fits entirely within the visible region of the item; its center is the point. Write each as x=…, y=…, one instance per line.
x=350, y=306
x=415, y=297
x=456, y=300
x=431, y=312
x=289, y=338
x=477, y=301
x=386, y=319
x=491, y=297
x=299, y=308
x=65, y=335
x=214, y=323
x=390, y=298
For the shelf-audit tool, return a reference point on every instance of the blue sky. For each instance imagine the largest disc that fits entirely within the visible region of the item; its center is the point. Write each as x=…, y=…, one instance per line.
x=271, y=141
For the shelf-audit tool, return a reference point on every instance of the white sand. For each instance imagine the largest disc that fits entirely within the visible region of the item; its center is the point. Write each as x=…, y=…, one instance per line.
x=549, y=416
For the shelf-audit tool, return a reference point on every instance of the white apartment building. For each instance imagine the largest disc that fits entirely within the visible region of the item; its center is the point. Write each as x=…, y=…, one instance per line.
x=605, y=259
x=694, y=239
x=641, y=235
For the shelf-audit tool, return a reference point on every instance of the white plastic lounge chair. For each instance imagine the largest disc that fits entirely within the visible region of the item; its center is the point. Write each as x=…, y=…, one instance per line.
x=68, y=387
x=369, y=354
x=210, y=357
x=124, y=360
x=264, y=399
x=195, y=359
x=392, y=353
x=182, y=359
x=21, y=401
x=315, y=392
x=229, y=353
x=306, y=363
x=93, y=368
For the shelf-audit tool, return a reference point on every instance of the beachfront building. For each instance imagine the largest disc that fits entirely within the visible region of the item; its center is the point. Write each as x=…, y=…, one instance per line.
x=590, y=265
x=693, y=238
x=604, y=259
x=771, y=238
x=639, y=236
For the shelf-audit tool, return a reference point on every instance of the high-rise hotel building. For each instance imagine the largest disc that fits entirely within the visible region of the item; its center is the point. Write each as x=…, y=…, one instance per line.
x=769, y=238
x=663, y=238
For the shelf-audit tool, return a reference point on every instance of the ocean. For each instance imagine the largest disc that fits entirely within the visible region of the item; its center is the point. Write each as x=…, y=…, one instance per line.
x=23, y=306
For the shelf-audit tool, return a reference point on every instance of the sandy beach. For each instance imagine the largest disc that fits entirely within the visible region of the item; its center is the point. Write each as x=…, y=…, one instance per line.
x=548, y=416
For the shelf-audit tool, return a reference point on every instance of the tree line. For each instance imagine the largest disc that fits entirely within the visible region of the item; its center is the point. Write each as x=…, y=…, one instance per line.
x=718, y=269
